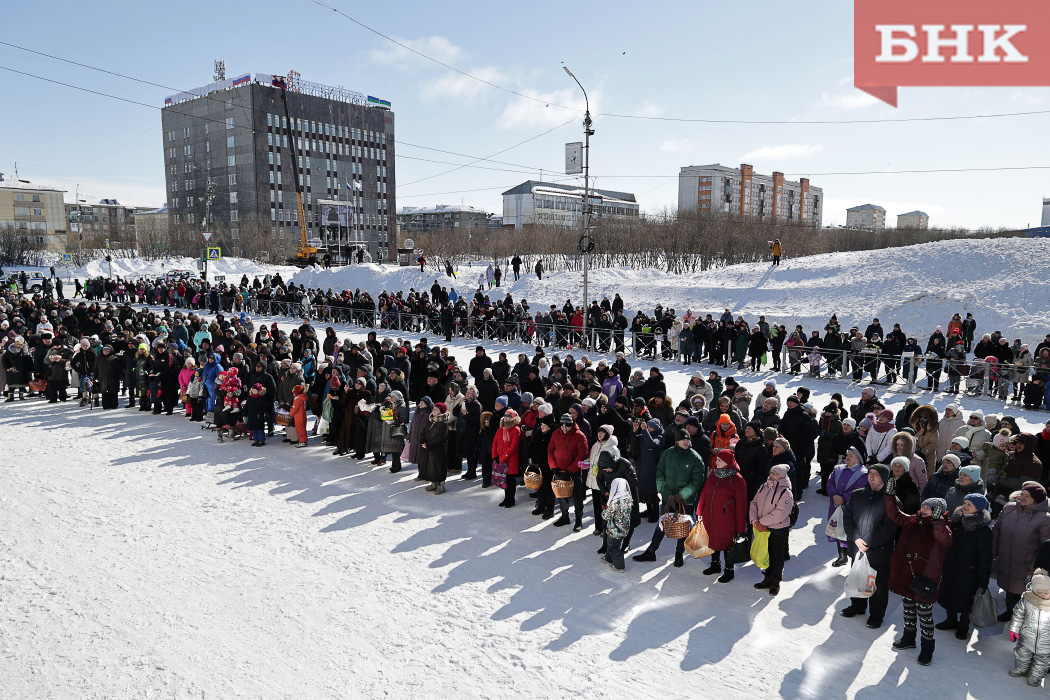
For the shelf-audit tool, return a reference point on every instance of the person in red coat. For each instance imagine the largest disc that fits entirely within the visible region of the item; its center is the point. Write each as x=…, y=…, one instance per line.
x=923, y=544
x=505, y=448
x=723, y=509
x=298, y=413
x=565, y=453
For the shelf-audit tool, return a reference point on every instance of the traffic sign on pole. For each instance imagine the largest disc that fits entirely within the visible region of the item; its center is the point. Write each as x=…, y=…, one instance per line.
x=67, y=257
x=215, y=253
x=207, y=235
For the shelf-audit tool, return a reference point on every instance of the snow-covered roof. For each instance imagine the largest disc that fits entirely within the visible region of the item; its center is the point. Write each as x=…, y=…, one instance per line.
x=9, y=183
x=442, y=209
x=162, y=210
x=533, y=186
x=866, y=207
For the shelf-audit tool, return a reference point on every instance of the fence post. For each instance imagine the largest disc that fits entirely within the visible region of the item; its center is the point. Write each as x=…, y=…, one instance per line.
x=987, y=379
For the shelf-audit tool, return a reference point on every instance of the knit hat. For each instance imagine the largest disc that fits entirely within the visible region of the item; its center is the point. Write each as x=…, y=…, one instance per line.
x=511, y=413
x=680, y=435
x=867, y=391
x=903, y=461
x=937, y=505
x=653, y=423
x=886, y=413
x=771, y=383
x=784, y=444
x=566, y=419
x=882, y=470
x=955, y=408
x=856, y=453
x=545, y=409
x=297, y=389
x=527, y=397
x=727, y=456
x=793, y=399
x=502, y=400
x=638, y=401
x=977, y=414
x=693, y=421
x=954, y=459
x=961, y=441
x=770, y=434
x=973, y=472
x=978, y=500
x=850, y=422
x=1040, y=581
x=589, y=402
x=1037, y=492
x=440, y=407
x=1000, y=441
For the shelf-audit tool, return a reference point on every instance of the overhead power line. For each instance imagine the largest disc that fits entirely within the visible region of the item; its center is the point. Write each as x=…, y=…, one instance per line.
x=703, y=120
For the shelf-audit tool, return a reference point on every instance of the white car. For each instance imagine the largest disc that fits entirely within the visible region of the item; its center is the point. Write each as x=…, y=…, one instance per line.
x=180, y=275
x=34, y=280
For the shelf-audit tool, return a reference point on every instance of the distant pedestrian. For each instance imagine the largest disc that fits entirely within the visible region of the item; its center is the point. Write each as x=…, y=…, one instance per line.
x=778, y=250
x=539, y=269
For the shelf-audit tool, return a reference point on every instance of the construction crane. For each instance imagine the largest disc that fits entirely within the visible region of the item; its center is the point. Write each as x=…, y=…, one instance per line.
x=305, y=254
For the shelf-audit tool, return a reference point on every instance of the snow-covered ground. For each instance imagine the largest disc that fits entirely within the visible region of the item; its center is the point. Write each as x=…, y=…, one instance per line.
x=138, y=558
x=134, y=268
x=1004, y=282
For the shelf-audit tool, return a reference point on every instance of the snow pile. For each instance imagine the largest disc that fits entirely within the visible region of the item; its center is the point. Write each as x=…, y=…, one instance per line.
x=1004, y=282
x=133, y=268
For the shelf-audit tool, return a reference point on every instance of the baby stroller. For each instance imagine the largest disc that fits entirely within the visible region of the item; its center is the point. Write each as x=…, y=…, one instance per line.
x=239, y=430
x=978, y=371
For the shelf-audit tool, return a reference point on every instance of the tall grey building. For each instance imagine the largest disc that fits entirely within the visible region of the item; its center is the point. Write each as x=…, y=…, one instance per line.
x=240, y=145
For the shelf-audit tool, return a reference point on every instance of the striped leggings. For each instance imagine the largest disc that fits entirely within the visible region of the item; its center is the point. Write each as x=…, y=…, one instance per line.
x=923, y=611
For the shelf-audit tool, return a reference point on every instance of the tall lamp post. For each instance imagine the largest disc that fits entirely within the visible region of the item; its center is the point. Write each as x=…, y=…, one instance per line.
x=586, y=244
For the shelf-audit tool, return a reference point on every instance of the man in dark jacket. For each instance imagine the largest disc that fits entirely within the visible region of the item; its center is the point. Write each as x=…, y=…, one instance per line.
x=801, y=430
x=488, y=389
x=260, y=376
x=870, y=530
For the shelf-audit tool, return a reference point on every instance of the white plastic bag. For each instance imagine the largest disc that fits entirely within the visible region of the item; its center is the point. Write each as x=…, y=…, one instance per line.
x=860, y=582
x=835, y=529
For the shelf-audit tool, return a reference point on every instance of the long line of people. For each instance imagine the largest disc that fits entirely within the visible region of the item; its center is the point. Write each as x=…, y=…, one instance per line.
x=955, y=498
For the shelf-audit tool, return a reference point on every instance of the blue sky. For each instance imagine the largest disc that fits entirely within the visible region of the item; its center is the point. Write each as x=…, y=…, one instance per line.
x=758, y=60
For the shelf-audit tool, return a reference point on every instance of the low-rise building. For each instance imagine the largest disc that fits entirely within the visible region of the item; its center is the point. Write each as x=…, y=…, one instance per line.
x=743, y=193
x=442, y=217
x=871, y=217
x=546, y=203
x=36, y=212
x=913, y=219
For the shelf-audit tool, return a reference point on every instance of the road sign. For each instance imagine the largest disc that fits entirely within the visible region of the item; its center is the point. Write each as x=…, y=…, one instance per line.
x=67, y=257
x=574, y=158
x=207, y=235
x=215, y=253
x=200, y=266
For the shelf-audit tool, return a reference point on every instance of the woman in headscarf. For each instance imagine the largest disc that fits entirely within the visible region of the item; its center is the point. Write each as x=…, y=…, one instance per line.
x=394, y=418
x=352, y=431
x=619, y=515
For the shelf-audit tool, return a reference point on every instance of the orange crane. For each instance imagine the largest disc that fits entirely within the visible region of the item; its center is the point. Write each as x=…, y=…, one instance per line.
x=305, y=254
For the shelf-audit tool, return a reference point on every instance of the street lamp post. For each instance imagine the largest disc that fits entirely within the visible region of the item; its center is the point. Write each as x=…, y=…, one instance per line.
x=586, y=245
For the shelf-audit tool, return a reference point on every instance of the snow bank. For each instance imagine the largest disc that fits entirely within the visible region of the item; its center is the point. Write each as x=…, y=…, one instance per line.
x=1004, y=282
x=134, y=268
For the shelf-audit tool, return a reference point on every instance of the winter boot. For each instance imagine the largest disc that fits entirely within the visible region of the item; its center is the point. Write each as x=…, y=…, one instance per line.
x=1035, y=681
x=727, y=575
x=926, y=651
x=562, y=521
x=963, y=630
x=950, y=623
x=648, y=555
x=843, y=558
x=774, y=589
x=1018, y=672
x=10, y=398
x=679, y=560
x=440, y=487
x=715, y=568
x=766, y=582
x=907, y=640
x=431, y=486
x=578, y=526
x=604, y=548
x=219, y=434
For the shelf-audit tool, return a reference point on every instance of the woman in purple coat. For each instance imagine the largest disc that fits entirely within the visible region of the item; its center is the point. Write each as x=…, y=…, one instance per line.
x=844, y=480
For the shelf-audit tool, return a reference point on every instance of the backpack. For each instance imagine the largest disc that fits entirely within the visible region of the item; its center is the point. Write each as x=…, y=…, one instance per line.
x=793, y=518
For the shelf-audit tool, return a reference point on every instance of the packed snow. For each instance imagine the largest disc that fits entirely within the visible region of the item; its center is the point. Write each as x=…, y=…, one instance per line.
x=1004, y=282
x=134, y=268
x=139, y=558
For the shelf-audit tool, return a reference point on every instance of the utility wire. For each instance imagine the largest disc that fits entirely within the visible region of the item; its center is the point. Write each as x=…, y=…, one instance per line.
x=701, y=120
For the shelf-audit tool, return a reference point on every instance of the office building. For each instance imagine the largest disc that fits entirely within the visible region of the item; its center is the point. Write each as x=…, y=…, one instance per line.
x=35, y=212
x=236, y=152
x=744, y=194
x=1046, y=212
x=870, y=217
x=546, y=203
x=442, y=217
x=913, y=219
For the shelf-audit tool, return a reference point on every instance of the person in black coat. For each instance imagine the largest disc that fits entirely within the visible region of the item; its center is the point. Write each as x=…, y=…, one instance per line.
x=468, y=427
x=612, y=466
x=903, y=486
x=109, y=368
x=967, y=565
x=870, y=530
x=800, y=429
x=752, y=458
x=261, y=376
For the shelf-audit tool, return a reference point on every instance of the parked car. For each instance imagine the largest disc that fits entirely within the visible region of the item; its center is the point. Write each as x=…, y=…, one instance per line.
x=180, y=275
x=34, y=280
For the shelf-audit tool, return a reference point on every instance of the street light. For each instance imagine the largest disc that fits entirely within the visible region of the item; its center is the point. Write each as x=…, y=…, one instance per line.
x=586, y=245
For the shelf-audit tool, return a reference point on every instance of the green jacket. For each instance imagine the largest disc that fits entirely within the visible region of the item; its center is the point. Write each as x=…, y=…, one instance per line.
x=996, y=460
x=682, y=472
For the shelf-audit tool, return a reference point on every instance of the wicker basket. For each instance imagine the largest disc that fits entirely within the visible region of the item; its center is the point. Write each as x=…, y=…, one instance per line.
x=283, y=418
x=562, y=489
x=533, y=478
x=676, y=524
x=38, y=385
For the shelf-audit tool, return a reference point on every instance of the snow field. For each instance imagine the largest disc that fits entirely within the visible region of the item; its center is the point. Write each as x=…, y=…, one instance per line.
x=138, y=558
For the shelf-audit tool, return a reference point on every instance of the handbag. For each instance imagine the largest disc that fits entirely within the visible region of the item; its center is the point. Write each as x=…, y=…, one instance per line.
x=499, y=474
x=739, y=551
x=984, y=610
x=922, y=586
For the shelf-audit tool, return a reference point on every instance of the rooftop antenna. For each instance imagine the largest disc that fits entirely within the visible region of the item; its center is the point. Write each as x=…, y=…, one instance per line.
x=220, y=70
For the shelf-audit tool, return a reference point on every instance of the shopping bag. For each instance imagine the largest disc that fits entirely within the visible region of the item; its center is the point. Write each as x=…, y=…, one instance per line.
x=739, y=551
x=404, y=452
x=985, y=609
x=860, y=582
x=835, y=529
x=696, y=543
x=499, y=474
x=760, y=550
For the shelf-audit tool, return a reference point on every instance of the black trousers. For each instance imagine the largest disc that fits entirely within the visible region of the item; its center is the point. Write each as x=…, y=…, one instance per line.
x=658, y=534
x=778, y=549
x=579, y=492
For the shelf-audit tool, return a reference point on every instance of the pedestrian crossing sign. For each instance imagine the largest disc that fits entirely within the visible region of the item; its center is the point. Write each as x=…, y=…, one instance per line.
x=215, y=253
x=67, y=257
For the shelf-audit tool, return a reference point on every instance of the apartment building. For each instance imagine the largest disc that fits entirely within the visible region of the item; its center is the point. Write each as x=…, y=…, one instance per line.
x=36, y=211
x=546, y=203
x=743, y=193
x=913, y=219
x=870, y=217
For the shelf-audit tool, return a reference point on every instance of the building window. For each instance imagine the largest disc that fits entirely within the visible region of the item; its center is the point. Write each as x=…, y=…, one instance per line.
x=231, y=161
x=229, y=142
x=207, y=146
x=235, y=233
x=36, y=198
x=229, y=122
x=269, y=139
x=20, y=197
x=233, y=178
x=271, y=177
x=233, y=215
x=233, y=197
x=269, y=120
x=38, y=212
x=271, y=158
x=192, y=218
x=21, y=211
x=205, y=128
x=229, y=104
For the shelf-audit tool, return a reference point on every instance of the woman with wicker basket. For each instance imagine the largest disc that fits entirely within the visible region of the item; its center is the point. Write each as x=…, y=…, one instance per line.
x=506, y=446
x=723, y=508
x=433, y=449
x=565, y=453
x=606, y=442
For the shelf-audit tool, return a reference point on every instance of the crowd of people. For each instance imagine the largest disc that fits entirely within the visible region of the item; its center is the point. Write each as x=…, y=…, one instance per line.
x=937, y=504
